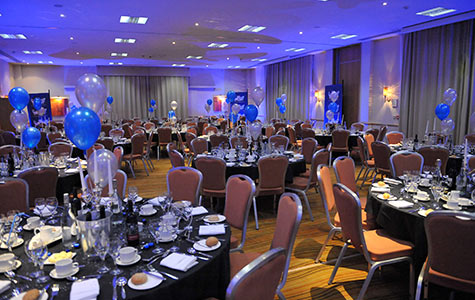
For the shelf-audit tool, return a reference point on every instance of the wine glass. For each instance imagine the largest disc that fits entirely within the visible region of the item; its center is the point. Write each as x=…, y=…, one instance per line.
x=436, y=190
x=162, y=201
x=37, y=250
x=40, y=207
x=153, y=228
x=188, y=217
x=51, y=207
x=132, y=194
x=116, y=243
x=102, y=246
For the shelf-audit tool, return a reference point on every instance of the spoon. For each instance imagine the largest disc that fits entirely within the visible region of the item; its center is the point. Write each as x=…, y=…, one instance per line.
x=195, y=253
x=74, y=278
x=122, y=281
x=174, y=249
x=12, y=274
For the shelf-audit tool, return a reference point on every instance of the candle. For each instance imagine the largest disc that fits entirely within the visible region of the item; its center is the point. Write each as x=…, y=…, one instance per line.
x=433, y=126
x=96, y=176
x=465, y=154
x=110, y=177
x=427, y=127
x=83, y=184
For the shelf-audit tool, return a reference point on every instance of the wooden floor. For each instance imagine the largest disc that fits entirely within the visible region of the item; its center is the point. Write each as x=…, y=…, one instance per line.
x=306, y=279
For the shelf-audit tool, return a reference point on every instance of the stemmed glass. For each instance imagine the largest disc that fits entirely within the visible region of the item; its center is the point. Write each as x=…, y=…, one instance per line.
x=436, y=190
x=101, y=246
x=37, y=250
x=162, y=201
x=132, y=194
x=116, y=243
x=153, y=228
x=51, y=206
x=40, y=207
x=187, y=216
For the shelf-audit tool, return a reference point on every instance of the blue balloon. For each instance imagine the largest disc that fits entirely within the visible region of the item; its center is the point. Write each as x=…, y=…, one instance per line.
x=31, y=137
x=251, y=112
x=171, y=114
x=442, y=111
x=333, y=107
x=37, y=104
x=279, y=102
x=150, y=109
x=110, y=99
x=82, y=127
x=18, y=98
x=209, y=102
x=228, y=100
x=73, y=107
x=231, y=95
x=152, y=102
x=282, y=109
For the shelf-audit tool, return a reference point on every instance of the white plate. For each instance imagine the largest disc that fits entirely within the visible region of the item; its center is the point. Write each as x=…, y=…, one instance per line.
x=422, y=198
x=380, y=186
x=470, y=202
x=201, y=246
x=17, y=243
x=380, y=196
x=171, y=239
x=136, y=200
x=446, y=207
x=221, y=219
x=425, y=185
x=53, y=274
x=47, y=262
x=16, y=266
x=229, y=164
x=243, y=164
x=152, y=282
x=20, y=297
x=134, y=261
x=288, y=152
x=423, y=213
x=28, y=228
x=151, y=213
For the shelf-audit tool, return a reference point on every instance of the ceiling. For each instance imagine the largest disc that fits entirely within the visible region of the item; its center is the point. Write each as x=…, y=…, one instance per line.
x=82, y=32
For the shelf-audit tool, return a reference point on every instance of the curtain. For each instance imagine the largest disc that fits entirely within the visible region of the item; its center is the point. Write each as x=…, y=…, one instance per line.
x=132, y=95
x=293, y=78
x=434, y=60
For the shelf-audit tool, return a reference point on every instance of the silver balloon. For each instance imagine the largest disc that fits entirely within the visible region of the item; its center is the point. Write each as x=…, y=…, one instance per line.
x=91, y=91
x=97, y=166
x=225, y=106
x=106, y=115
x=447, y=126
x=258, y=95
x=450, y=95
x=174, y=105
x=19, y=120
x=235, y=108
x=334, y=95
x=255, y=129
x=283, y=97
x=207, y=107
x=330, y=115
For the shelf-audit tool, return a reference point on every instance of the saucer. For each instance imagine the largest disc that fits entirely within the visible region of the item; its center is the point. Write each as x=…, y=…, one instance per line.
x=427, y=198
x=28, y=228
x=380, y=196
x=20, y=297
x=470, y=202
x=425, y=185
x=129, y=263
x=221, y=219
x=152, y=282
x=17, y=243
x=171, y=239
x=151, y=213
x=201, y=246
x=380, y=186
x=16, y=266
x=446, y=207
x=53, y=274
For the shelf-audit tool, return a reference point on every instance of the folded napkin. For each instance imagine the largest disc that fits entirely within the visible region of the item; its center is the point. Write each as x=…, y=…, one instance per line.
x=154, y=201
x=293, y=160
x=212, y=229
x=400, y=204
x=380, y=190
x=198, y=211
x=85, y=290
x=230, y=164
x=201, y=155
x=4, y=285
x=179, y=261
x=392, y=181
x=298, y=156
x=72, y=171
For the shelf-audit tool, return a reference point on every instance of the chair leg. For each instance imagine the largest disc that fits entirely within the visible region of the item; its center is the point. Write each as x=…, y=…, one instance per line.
x=307, y=204
x=158, y=152
x=363, y=179
x=361, y=170
x=255, y=212
x=330, y=235
x=411, y=280
x=366, y=282
x=338, y=262
x=275, y=204
x=145, y=166
x=374, y=177
x=279, y=293
x=131, y=168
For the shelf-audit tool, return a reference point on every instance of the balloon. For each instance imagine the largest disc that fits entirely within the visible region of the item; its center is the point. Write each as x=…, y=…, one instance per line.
x=447, y=126
x=255, y=129
x=334, y=95
x=450, y=95
x=82, y=127
x=251, y=112
x=98, y=166
x=284, y=98
x=231, y=95
x=19, y=120
x=150, y=110
x=18, y=98
x=278, y=101
x=152, y=102
x=174, y=105
x=209, y=101
x=329, y=114
x=108, y=107
x=106, y=115
x=472, y=123
x=442, y=111
x=37, y=103
x=173, y=119
x=257, y=95
x=73, y=107
x=333, y=107
x=171, y=114
x=282, y=109
x=225, y=106
x=110, y=100
x=91, y=91
x=228, y=100
x=31, y=137
x=207, y=107
x=235, y=108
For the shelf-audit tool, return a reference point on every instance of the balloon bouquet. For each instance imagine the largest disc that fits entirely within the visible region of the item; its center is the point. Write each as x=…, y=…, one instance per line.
x=208, y=104
x=280, y=102
x=235, y=108
x=442, y=111
x=108, y=111
x=151, y=109
x=333, y=107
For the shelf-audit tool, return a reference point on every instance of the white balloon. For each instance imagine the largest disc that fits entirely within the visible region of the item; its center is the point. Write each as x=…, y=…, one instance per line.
x=174, y=105
x=283, y=97
x=333, y=95
x=258, y=95
x=91, y=91
x=330, y=115
x=255, y=129
x=450, y=95
x=447, y=126
x=19, y=120
x=207, y=107
x=99, y=159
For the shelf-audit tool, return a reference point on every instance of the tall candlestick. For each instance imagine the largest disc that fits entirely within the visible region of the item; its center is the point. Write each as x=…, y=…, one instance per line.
x=110, y=178
x=465, y=154
x=96, y=176
x=427, y=127
x=433, y=126
x=81, y=175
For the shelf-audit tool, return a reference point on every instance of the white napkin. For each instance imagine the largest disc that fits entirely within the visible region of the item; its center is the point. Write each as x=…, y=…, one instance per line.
x=380, y=190
x=85, y=290
x=72, y=171
x=401, y=204
x=4, y=285
x=230, y=164
x=201, y=155
x=154, y=201
x=198, y=211
x=298, y=156
x=392, y=181
x=179, y=261
x=212, y=229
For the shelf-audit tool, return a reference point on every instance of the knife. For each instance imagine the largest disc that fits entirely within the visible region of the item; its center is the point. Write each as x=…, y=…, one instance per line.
x=43, y=291
x=114, y=285
x=159, y=276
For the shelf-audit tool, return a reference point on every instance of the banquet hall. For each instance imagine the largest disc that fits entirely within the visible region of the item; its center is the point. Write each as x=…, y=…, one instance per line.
x=274, y=149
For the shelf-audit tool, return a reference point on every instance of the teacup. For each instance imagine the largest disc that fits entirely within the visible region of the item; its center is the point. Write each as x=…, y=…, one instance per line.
x=127, y=254
x=65, y=266
x=421, y=194
x=33, y=222
x=147, y=208
x=425, y=181
x=6, y=261
x=452, y=204
x=168, y=219
x=454, y=196
x=165, y=231
x=48, y=233
x=464, y=201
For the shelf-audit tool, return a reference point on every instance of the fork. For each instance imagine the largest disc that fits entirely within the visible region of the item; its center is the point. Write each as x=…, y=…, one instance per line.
x=54, y=291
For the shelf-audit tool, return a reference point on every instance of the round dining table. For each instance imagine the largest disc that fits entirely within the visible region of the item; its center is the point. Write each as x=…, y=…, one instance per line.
x=209, y=278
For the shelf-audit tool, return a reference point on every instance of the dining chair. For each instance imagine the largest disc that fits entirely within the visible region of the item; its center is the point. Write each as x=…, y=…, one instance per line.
x=281, y=131
x=307, y=133
x=53, y=136
x=470, y=138
x=406, y=161
x=471, y=163
x=279, y=140
x=240, y=190
x=149, y=126
x=223, y=125
x=199, y=146
x=137, y=152
x=127, y=131
x=272, y=170
x=367, y=165
x=193, y=130
x=148, y=150
x=138, y=130
x=106, y=128
x=118, y=153
x=259, y=279
x=382, y=133
x=164, y=138
x=218, y=140
x=344, y=168
x=292, y=138
x=107, y=142
x=176, y=159
x=60, y=149
x=449, y=262
x=8, y=138
x=121, y=178
x=374, y=132
x=94, y=147
x=306, y=126
x=378, y=248
x=309, y=147
x=116, y=133
x=358, y=126
x=279, y=125
x=7, y=149
x=213, y=170
x=41, y=182
x=340, y=142
x=298, y=130
x=382, y=165
x=184, y=184
x=369, y=139
x=210, y=129
x=270, y=130
x=14, y=195
x=432, y=153
x=394, y=137
x=234, y=141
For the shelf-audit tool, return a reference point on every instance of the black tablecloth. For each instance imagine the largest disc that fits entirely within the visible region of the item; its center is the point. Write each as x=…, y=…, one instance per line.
x=207, y=279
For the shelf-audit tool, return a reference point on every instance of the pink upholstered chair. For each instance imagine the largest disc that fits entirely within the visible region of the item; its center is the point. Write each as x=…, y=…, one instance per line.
x=119, y=153
x=121, y=178
x=96, y=146
x=234, y=141
x=107, y=142
x=41, y=182
x=13, y=195
x=106, y=128
x=306, y=125
x=369, y=139
x=43, y=143
x=8, y=138
x=218, y=139
x=307, y=132
x=60, y=149
x=53, y=136
x=309, y=146
x=149, y=126
x=127, y=131
x=374, y=132
x=292, y=138
x=382, y=133
x=471, y=163
x=117, y=133
x=279, y=140
x=382, y=165
x=213, y=170
x=164, y=138
x=240, y=190
x=378, y=248
x=137, y=141
x=340, y=142
x=199, y=146
x=184, y=184
x=470, y=138
x=345, y=173
x=279, y=126
x=269, y=131
x=7, y=149
x=193, y=130
x=406, y=161
x=210, y=129
x=432, y=153
x=394, y=137
x=357, y=126
x=176, y=159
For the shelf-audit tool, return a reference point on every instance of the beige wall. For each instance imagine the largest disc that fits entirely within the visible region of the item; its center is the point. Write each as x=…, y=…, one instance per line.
x=322, y=76
x=39, y=79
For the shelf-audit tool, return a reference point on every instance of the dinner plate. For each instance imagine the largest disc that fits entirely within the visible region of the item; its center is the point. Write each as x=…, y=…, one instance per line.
x=16, y=266
x=446, y=207
x=152, y=282
x=151, y=213
x=422, y=198
x=380, y=186
x=392, y=197
x=20, y=296
x=221, y=219
x=17, y=243
x=129, y=263
x=201, y=246
x=54, y=275
x=28, y=228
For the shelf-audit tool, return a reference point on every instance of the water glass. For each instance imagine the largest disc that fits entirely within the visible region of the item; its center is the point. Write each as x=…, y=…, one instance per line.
x=132, y=193
x=101, y=246
x=116, y=243
x=37, y=250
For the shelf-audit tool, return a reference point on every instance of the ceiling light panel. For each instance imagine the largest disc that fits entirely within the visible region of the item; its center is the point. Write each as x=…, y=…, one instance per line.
x=259, y=59
x=32, y=52
x=434, y=12
x=133, y=20
x=115, y=63
x=252, y=28
x=217, y=45
x=344, y=36
x=123, y=54
x=194, y=57
x=125, y=41
x=178, y=65
x=294, y=49
x=10, y=36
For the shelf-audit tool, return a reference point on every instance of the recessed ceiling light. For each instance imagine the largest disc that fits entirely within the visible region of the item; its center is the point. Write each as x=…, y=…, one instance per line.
x=385, y=3
x=40, y=61
x=258, y=47
x=133, y=20
x=50, y=62
x=294, y=49
x=12, y=36
x=77, y=53
x=434, y=12
x=301, y=32
x=32, y=52
x=259, y=59
x=237, y=67
x=125, y=41
x=207, y=65
x=0, y=15
x=299, y=49
x=123, y=54
x=343, y=36
x=197, y=24
x=194, y=57
x=217, y=45
x=251, y=28
x=173, y=43
x=81, y=62
x=115, y=63
x=227, y=58
x=62, y=15
x=178, y=65
x=71, y=38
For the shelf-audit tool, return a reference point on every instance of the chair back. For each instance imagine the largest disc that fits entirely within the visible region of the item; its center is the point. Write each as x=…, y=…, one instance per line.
x=306, y=125
x=7, y=149
x=164, y=135
x=240, y=190
x=193, y=130
x=189, y=136
x=471, y=163
x=382, y=133
x=298, y=129
x=325, y=187
x=137, y=122
x=307, y=133
x=344, y=167
x=149, y=126
x=107, y=142
x=119, y=153
x=279, y=140
x=309, y=146
x=369, y=138
x=138, y=129
x=223, y=124
x=374, y=132
x=106, y=128
x=358, y=126
x=270, y=131
x=340, y=139
x=406, y=161
x=199, y=145
x=184, y=183
x=320, y=157
x=96, y=146
x=60, y=149
x=217, y=139
x=138, y=142
x=171, y=146
x=121, y=178
x=176, y=159
x=272, y=171
x=127, y=131
x=259, y=279
x=432, y=153
x=13, y=195
x=210, y=129
x=8, y=138
x=213, y=170
x=470, y=138
x=53, y=136
x=116, y=132
x=362, y=151
x=382, y=153
x=451, y=266
x=292, y=136
x=394, y=137
x=278, y=126
x=43, y=143
x=234, y=141
x=41, y=182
